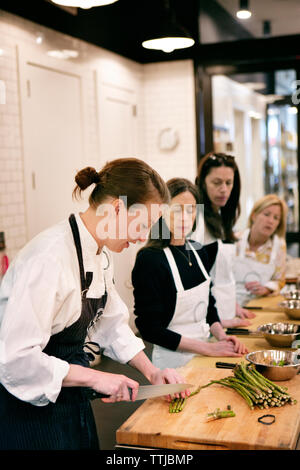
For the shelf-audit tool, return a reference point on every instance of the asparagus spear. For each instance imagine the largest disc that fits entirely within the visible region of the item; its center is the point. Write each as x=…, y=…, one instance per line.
x=218, y=414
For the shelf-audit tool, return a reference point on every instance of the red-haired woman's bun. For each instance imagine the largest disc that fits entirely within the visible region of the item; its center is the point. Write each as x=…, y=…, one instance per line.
x=86, y=177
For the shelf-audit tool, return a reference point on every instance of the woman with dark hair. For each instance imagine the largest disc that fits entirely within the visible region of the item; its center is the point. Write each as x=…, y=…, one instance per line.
x=173, y=302
x=219, y=184
x=57, y=292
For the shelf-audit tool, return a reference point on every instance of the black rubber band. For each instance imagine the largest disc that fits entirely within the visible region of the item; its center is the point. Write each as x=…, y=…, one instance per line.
x=260, y=419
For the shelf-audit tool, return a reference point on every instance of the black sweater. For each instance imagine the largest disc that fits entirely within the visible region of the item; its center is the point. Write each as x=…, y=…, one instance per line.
x=155, y=291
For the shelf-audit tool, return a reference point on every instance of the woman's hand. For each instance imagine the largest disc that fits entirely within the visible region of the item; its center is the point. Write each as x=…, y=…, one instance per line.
x=239, y=347
x=226, y=347
x=116, y=386
x=169, y=376
x=235, y=322
x=243, y=312
x=257, y=289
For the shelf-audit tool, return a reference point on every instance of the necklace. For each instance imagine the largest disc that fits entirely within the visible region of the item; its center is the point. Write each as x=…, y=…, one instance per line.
x=188, y=257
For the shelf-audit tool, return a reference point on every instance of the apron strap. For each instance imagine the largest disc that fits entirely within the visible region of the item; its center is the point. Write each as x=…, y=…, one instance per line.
x=174, y=269
x=201, y=265
x=275, y=247
x=85, y=281
x=244, y=241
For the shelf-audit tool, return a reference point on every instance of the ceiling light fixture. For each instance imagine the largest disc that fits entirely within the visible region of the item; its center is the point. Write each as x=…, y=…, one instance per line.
x=243, y=13
x=83, y=3
x=266, y=28
x=171, y=36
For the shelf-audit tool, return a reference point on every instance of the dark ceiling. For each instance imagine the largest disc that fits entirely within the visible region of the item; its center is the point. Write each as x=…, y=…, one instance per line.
x=121, y=27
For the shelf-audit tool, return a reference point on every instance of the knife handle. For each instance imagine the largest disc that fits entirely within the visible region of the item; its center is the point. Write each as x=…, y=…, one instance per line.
x=225, y=365
x=237, y=331
x=92, y=394
x=253, y=308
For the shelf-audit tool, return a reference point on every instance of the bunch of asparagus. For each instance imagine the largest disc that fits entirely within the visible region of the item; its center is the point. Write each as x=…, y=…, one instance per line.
x=256, y=389
x=177, y=404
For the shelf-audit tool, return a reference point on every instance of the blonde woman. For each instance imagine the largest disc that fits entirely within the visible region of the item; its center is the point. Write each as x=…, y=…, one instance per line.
x=261, y=251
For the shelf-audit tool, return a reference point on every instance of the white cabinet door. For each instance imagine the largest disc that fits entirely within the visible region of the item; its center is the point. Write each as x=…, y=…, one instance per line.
x=118, y=138
x=117, y=122
x=52, y=122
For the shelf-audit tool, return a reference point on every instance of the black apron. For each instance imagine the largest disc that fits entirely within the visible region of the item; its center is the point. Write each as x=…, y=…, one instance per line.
x=67, y=424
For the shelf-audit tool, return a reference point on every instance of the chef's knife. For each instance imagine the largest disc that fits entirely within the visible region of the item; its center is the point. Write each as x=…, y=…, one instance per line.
x=145, y=391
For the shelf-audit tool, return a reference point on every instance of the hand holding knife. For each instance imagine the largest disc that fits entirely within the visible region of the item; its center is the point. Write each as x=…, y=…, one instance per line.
x=145, y=391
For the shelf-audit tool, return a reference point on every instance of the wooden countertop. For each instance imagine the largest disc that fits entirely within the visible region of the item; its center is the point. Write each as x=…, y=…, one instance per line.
x=268, y=304
x=151, y=424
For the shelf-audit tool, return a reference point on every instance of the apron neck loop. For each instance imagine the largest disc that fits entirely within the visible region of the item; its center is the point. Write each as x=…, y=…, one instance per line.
x=85, y=281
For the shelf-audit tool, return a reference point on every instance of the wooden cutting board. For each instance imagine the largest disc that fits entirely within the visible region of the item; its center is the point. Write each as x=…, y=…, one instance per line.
x=152, y=426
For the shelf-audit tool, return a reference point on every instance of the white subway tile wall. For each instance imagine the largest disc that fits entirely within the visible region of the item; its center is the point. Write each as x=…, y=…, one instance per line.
x=165, y=98
x=169, y=102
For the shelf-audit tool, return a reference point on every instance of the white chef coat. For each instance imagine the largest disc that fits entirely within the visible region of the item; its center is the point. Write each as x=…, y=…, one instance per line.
x=40, y=295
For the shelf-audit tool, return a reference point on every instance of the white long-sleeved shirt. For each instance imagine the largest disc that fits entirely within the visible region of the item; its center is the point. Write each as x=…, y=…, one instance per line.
x=40, y=295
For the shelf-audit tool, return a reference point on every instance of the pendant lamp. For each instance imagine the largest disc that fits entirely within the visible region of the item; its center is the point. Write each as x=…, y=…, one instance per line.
x=170, y=36
x=243, y=13
x=83, y=3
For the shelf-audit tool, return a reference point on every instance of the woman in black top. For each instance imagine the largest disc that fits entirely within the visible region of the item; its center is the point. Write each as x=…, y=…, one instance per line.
x=173, y=302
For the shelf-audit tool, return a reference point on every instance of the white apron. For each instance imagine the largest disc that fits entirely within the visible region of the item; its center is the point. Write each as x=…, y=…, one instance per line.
x=224, y=288
x=189, y=317
x=222, y=273
x=250, y=270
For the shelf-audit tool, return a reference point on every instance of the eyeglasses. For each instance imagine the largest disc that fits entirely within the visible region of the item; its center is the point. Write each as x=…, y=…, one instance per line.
x=221, y=156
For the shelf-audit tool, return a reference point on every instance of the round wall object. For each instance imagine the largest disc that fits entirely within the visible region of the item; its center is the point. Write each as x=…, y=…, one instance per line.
x=168, y=139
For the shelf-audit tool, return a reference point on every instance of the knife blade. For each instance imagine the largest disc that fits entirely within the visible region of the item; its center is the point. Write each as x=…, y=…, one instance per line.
x=145, y=391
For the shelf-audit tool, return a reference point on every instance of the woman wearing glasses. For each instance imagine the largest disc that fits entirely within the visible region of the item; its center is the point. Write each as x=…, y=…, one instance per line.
x=261, y=251
x=172, y=288
x=219, y=184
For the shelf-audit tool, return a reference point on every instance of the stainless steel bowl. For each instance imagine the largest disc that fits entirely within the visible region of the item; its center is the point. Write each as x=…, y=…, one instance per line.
x=265, y=363
x=292, y=295
x=291, y=308
x=280, y=334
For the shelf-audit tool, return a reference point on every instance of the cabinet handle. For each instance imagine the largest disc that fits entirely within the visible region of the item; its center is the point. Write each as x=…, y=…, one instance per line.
x=33, y=180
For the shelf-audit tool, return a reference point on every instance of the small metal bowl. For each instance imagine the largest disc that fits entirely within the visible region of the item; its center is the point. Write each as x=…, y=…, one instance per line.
x=264, y=362
x=292, y=295
x=291, y=308
x=280, y=334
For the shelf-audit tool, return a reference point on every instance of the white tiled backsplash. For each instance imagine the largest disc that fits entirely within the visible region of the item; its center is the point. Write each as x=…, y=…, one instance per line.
x=165, y=99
